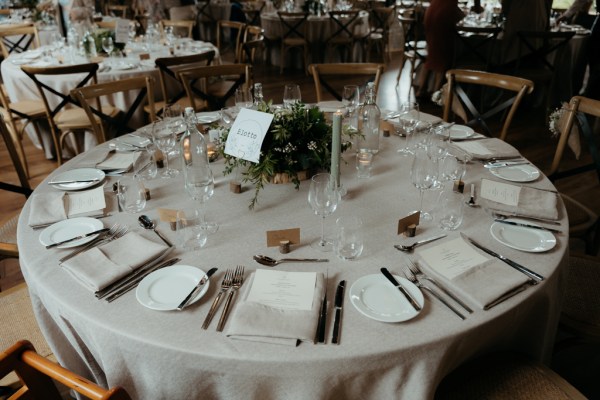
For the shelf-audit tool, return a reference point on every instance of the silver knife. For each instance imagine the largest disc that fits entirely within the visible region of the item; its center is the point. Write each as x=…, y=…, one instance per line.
x=543, y=228
x=533, y=275
x=73, y=181
x=321, y=325
x=505, y=164
x=339, y=305
x=196, y=289
x=403, y=290
x=52, y=245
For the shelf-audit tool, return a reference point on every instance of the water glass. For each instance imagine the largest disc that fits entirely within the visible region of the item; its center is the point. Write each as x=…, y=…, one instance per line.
x=243, y=98
x=408, y=119
x=144, y=166
x=165, y=139
x=291, y=95
x=348, y=243
x=364, y=164
x=451, y=209
x=350, y=98
x=190, y=233
x=131, y=194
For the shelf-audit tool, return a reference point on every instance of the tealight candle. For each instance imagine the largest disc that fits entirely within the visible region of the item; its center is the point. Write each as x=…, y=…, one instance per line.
x=364, y=164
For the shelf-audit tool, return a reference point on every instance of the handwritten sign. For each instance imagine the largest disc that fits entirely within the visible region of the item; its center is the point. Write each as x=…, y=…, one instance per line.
x=500, y=192
x=122, y=31
x=247, y=134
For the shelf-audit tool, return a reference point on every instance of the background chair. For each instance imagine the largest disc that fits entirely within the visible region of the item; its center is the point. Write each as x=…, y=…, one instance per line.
x=414, y=46
x=198, y=81
x=18, y=39
x=117, y=10
x=342, y=37
x=476, y=47
x=107, y=24
x=38, y=373
x=369, y=72
x=293, y=35
x=182, y=28
x=93, y=99
x=462, y=89
x=234, y=30
x=380, y=19
x=253, y=40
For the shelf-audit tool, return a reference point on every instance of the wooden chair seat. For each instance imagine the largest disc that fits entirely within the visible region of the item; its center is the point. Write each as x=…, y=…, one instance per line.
x=76, y=118
x=32, y=108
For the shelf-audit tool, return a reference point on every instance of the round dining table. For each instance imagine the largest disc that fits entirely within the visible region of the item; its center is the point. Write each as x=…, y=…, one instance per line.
x=166, y=354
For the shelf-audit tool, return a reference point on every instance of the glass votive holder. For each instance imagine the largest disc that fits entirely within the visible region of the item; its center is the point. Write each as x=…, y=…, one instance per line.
x=364, y=164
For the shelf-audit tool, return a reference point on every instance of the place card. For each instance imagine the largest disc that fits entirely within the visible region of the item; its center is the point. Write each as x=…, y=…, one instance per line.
x=167, y=215
x=499, y=192
x=283, y=289
x=86, y=202
x=247, y=134
x=452, y=258
x=404, y=223
x=275, y=237
x=144, y=56
x=122, y=31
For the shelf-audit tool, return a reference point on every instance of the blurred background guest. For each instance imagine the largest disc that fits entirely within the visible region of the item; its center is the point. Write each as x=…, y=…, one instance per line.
x=522, y=15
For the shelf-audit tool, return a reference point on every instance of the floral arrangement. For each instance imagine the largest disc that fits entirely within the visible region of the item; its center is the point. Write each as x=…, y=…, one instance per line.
x=554, y=121
x=438, y=97
x=298, y=140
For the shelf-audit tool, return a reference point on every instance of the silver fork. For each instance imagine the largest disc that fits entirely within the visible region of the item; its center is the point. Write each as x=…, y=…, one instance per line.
x=419, y=274
x=238, y=280
x=225, y=285
x=409, y=275
x=117, y=233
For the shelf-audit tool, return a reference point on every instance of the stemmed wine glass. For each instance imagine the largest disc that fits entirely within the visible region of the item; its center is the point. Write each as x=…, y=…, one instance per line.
x=291, y=95
x=350, y=98
x=323, y=198
x=165, y=139
x=423, y=175
x=409, y=119
x=108, y=46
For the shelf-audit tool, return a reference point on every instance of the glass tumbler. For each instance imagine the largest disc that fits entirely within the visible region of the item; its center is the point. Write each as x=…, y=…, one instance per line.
x=131, y=194
x=348, y=244
x=451, y=209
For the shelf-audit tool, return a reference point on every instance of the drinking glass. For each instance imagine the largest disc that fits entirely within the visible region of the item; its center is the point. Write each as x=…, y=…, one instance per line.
x=350, y=98
x=165, y=139
x=108, y=45
x=190, y=233
x=451, y=208
x=144, y=166
x=323, y=198
x=131, y=194
x=243, y=98
x=422, y=175
x=409, y=119
x=291, y=95
x=200, y=185
x=348, y=243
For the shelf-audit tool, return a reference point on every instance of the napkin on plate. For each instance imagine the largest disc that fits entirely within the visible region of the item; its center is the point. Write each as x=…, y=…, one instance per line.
x=110, y=160
x=486, y=149
x=48, y=208
x=536, y=203
x=100, y=266
x=260, y=323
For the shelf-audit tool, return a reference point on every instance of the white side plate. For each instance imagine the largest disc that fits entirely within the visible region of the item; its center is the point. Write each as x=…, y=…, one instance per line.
x=79, y=174
x=70, y=228
x=522, y=238
x=458, y=132
x=517, y=173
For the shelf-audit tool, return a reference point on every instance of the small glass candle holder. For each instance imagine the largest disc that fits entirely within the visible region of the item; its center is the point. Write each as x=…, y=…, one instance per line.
x=364, y=164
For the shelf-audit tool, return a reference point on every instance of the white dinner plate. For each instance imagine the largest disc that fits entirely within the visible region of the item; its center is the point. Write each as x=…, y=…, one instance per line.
x=458, y=132
x=375, y=297
x=166, y=288
x=70, y=228
x=78, y=174
x=523, y=238
x=208, y=117
x=517, y=173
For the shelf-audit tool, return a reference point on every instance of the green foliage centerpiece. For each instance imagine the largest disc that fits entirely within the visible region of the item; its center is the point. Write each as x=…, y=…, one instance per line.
x=298, y=140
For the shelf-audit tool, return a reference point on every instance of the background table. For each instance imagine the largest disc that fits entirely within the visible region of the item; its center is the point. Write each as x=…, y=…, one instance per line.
x=165, y=355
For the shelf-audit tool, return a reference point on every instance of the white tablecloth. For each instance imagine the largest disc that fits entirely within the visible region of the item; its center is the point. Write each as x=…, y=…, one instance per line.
x=165, y=355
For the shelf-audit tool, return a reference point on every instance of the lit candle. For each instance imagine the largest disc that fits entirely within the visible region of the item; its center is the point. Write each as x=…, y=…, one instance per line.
x=336, y=147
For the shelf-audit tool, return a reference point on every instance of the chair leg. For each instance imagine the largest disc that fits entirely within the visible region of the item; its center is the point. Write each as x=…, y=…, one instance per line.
x=282, y=59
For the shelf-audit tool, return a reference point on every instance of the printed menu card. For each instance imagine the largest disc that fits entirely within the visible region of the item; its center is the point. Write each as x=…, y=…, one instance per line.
x=452, y=258
x=283, y=289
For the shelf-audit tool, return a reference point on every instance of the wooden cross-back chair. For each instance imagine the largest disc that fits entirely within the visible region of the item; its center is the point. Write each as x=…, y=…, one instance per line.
x=320, y=72
x=206, y=20
x=183, y=28
x=38, y=375
x=167, y=68
x=414, y=46
x=235, y=40
x=342, y=37
x=63, y=120
x=513, y=90
x=252, y=10
x=117, y=10
x=116, y=122
x=253, y=41
x=18, y=39
x=293, y=35
x=477, y=47
x=379, y=26
x=197, y=81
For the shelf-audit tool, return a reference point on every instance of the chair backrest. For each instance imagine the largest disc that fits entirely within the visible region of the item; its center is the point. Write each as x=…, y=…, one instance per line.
x=38, y=373
x=91, y=99
x=371, y=71
x=252, y=10
x=9, y=141
x=236, y=30
x=293, y=25
x=576, y=115
x=168, y=67
x=117, y=10
x=341, y=24
x=380, y=18
x=196, y=81
x=253, y=40
x=18, y=39
x=183, y=28
x=541, y=49
x=514, y=89
x=476, y=47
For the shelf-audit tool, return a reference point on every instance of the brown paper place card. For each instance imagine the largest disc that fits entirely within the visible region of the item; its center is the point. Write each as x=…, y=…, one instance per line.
x=144, y=56
x=167, y=215
x=274, y=237
x=404, y=223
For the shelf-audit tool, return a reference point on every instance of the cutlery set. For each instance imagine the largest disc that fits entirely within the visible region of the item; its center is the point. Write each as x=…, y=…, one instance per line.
x=232, y=282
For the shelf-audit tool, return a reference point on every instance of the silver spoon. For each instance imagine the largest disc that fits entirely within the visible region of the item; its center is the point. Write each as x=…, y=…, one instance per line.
x=410, y=247
x=147, y=223
x=271, y=262
x=471, y=202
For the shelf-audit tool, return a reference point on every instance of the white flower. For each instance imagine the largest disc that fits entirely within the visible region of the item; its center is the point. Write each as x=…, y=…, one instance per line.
x=553, y=120
x=437, y=98
x=312, y=145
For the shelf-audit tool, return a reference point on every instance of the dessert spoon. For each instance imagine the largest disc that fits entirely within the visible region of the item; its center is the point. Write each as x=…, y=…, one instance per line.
x=271, y=262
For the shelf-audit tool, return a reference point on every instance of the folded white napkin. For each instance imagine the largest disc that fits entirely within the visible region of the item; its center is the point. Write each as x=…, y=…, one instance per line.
x=486, y=149
x=47, y=208
x=536, y=203
x=100, y=266
x=330, y=106
x=257, y=322
x=110, y=160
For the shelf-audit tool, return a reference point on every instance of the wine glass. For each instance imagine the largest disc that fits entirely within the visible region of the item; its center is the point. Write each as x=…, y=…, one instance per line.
x=409, y=119
x=200, y=185
x=108, y=45
x=291, y=95
x=350, y=98
x=243, y=98
x=323, y=198
x=423, y=175
x=165, y=139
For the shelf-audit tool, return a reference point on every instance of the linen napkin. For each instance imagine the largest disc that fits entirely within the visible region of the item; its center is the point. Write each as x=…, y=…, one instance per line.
x=330, y=106
x=100, y=266
x=482, y=284
x=486, y=149
x=260, y=323
x=531, y=202
x=48, y=208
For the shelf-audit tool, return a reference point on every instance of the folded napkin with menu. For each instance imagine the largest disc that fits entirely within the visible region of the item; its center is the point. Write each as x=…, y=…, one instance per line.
x=110, y=160
x=486, y=149
x=47, y=208
x=519, y=200
x=471, y=274
x=330, y=106
x=278, y=307
x=100, y=266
